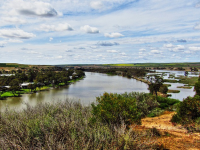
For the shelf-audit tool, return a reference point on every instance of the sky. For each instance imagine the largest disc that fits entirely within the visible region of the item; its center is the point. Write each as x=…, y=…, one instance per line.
x=99, y=31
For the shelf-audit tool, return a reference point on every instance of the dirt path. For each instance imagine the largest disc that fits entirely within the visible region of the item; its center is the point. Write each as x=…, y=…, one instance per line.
x=177, y=137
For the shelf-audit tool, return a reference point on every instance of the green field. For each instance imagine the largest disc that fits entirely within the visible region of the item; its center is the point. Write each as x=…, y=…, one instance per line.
x=195, y=64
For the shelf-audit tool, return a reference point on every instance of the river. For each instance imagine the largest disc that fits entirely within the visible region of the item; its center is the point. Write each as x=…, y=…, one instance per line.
x=86, y=90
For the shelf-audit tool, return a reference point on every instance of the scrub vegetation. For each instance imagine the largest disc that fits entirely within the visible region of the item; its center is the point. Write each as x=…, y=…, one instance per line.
x=70, y=125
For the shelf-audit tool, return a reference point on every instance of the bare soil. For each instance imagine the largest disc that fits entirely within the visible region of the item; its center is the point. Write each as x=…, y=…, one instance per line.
x=172, y=137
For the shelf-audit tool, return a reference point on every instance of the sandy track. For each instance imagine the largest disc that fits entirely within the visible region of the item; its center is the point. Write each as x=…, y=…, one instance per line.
x=177, y=137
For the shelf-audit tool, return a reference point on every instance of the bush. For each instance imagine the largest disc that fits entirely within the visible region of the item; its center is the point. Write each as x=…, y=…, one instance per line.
x=188, y=111
x=155, y=112
x=144, y=101
x=166, y=102
x=116, y=109
x=163, y=89
x=197, y=87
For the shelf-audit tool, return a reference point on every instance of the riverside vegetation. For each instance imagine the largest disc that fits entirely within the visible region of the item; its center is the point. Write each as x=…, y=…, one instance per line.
x=37, y=80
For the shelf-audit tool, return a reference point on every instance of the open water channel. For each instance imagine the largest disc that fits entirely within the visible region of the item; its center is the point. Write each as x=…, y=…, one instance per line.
x=85, y=91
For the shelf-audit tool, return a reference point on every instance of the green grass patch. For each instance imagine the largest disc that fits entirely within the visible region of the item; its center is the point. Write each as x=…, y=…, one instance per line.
x=170, y=81
x=190, y=81
x=168, y=85
x=61, y=84
x=74, y=80
x=173, y=91
x=184, y=87
x=7, y=94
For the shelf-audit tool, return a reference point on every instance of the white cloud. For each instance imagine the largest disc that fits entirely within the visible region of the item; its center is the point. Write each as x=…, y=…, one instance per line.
x=16, y=33
x=89, y=29
x=141, y=53
x=142, y=50
x=14, y=20
x=111, y=51
x=155, y=51
x=2, y=44
x=197, y=26
x=187, y=52
x=50, y=39
x=113, y=35
x=197, y=5
x=14, y=41
x=33, y=8
x=123, y=54
x=32, y=52
x=59, y=57
x=59, y=27
x=194, y=48
x=107, y=43
x=168, y=45
x=178, y=48
x=96, y=5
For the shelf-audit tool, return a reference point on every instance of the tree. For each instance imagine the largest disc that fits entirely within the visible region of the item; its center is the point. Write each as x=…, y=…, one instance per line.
x=186, y=73
x=155, y=83
x=197, y=87
x=2, y=90
x=32, y=87
x=163, y=89
x=14, y=86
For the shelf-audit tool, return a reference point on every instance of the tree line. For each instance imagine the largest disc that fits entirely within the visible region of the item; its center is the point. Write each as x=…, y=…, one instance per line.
x=38, y=78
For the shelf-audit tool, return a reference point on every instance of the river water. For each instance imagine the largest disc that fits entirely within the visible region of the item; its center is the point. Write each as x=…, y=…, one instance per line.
x=86, y=90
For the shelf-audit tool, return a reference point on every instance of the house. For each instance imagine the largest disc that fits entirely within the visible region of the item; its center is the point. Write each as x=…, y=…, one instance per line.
x=25, y=85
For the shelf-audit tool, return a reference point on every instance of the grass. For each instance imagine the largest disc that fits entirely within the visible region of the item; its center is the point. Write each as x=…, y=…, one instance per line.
x=74, y=80
x=67, y=125
x=23, y=91
x=184, y=87
x=157, y=64
x=173, y=91
x=190, y=81
x=170, y=81
x=168, y=85
x=7, y=94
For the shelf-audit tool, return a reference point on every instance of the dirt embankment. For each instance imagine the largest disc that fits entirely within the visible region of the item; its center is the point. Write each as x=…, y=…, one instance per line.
x=172, y=137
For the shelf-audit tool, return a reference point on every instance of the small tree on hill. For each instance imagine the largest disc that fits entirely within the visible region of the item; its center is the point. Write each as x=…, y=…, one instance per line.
x=155, y=83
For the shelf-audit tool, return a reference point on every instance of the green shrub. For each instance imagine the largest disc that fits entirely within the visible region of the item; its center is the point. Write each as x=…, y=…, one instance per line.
x=197, y=87
x=163, y=89
x=187, y=111
x=144, y=101
x=155, y=112
x=116, y=109
x=166, y=102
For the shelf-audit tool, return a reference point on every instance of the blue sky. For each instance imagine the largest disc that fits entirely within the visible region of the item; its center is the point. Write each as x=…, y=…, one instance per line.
x=99, y=31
